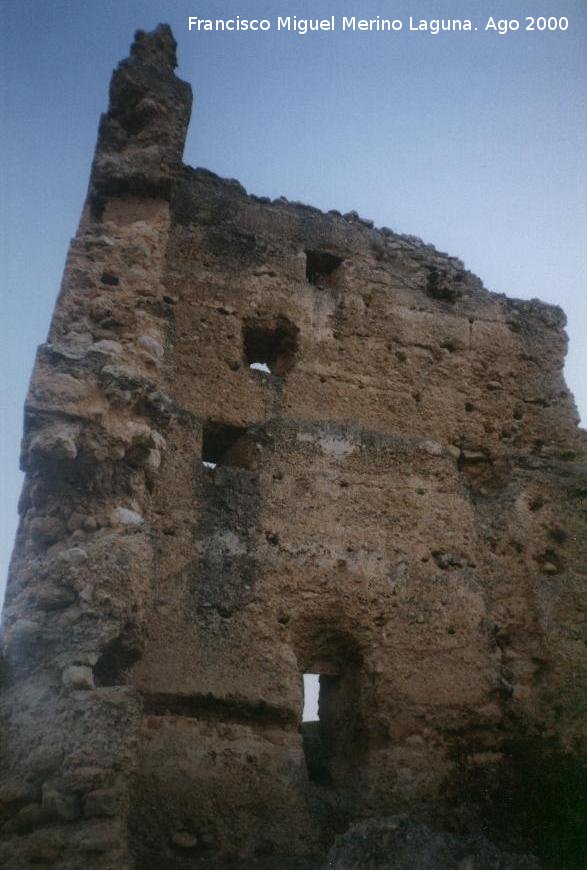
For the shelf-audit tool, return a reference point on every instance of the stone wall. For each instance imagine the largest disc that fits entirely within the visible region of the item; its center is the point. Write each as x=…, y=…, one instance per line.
x=397, y=504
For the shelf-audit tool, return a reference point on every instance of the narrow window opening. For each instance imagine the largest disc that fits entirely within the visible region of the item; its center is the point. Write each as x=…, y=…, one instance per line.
x=311, y=694
x=270, y=346
x=315, y=739
x=321, y=266
x=223, y=444
x=332, y=727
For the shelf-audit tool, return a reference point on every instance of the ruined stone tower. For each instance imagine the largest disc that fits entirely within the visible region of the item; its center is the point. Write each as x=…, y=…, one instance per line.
x=395, y=503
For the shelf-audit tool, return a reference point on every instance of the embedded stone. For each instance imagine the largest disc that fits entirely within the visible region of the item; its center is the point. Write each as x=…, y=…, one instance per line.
x=44, y=759
x=78, y=677
x=46, y=530
x=58, y=805
x=90, y=524
x=100, y=839
x=26, y=819
x=74, y=555
x=126, y=517
x=184, y=840
x=55, y=598
x=13, y=792
x=22, y=632
x=102, y=802
x=153, y=461
x=58, y=443
x=45, y=847
x=125, y=377
x=433, y=448
x=107, y=347
x=152, y=345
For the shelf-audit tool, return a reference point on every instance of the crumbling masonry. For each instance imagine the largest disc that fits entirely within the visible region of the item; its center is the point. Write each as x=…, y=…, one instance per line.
x=393, y=500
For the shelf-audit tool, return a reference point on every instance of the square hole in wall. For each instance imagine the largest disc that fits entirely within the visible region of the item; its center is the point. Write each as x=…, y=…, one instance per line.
x=321, y=266
x=270, y=346
x=220, y=445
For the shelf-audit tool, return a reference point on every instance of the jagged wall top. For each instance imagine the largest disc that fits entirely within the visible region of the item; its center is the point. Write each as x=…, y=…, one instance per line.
x=142, y=136
x=158, y=47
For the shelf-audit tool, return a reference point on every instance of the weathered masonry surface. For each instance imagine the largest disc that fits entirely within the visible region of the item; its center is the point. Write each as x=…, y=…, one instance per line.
x=392, y=497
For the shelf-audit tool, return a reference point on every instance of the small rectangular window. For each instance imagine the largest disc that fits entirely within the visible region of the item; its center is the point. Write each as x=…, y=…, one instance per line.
x=321, y=266
x=333, y=736
x=220, y=445
x=270, y=346
x=315, y=745
x=311, y=694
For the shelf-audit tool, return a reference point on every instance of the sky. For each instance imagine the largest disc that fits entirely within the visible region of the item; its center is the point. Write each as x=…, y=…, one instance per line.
x=472, y=141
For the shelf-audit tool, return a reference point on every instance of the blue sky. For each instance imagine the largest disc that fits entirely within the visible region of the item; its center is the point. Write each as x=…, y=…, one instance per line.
x=472, y=141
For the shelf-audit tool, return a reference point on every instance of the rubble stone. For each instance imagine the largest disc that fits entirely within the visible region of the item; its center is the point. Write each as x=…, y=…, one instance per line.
x=78, y=677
